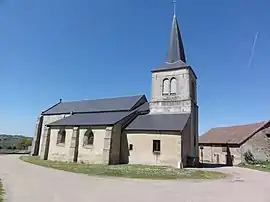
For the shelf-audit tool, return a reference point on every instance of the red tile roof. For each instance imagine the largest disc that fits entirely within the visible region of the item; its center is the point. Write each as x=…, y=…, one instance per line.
x=230, y=134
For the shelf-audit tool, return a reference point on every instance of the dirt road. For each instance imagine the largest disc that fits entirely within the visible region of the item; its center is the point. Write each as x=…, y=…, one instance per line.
x=24, y=182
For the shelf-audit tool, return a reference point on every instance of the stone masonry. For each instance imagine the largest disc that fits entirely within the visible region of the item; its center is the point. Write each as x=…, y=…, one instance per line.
x=258, y=145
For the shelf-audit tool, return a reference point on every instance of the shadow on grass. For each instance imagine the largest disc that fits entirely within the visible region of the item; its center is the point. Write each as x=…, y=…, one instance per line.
x=212, y=165
x=127, y=171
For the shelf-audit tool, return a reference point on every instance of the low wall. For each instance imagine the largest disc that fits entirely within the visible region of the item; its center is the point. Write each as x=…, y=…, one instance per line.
x=14, y=151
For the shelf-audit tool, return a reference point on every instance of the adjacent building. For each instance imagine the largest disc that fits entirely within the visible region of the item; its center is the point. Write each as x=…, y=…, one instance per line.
x=229, y=145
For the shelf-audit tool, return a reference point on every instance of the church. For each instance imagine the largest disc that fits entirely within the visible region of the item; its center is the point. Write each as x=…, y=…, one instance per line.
x=131, y=129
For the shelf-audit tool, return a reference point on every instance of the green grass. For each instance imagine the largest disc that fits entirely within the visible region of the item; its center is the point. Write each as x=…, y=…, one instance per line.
x=261, y=166
x=128, y=171
x=1, y=192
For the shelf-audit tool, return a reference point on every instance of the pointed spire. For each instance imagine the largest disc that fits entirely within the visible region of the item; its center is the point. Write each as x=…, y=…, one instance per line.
x=176, y=49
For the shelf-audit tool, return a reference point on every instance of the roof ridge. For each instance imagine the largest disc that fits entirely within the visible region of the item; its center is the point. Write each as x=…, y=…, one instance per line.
x=240, y=125
x=118, y=97
x=263, y=123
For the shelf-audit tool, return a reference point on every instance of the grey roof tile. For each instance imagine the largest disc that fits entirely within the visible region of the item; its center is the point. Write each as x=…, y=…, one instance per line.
x=176, y=58
x=159, y=122
x=97, y=105
x=144, y=108
x=170, y=66
x=176, y=49
x=91, y=119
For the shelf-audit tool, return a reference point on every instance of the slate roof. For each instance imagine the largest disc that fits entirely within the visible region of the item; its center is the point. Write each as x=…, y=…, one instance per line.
x=159, y=122
x=93, y=119
x=176, y=48
x=175, y=58
x=170, y=66
x=144, y=108
x=231, y=134
x=98, y=105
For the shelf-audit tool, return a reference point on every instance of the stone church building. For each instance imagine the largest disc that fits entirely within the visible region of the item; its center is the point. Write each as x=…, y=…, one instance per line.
x=129, y=130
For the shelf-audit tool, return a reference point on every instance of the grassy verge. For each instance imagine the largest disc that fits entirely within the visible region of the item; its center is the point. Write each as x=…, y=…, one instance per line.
x=1, y=192
x=129, y=171
x=261, y=166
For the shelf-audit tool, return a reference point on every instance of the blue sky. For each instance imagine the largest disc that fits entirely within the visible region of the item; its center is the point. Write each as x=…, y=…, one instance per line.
x=92, y=49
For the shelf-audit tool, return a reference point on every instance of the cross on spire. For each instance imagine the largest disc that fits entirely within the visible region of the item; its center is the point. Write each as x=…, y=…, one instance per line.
x=176, y=49
x=174, y=7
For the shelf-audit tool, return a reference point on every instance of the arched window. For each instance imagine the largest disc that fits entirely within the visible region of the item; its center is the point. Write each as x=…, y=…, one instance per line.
x=61, y=137
x=165, y=87
x=173, y=85
x=88, y=138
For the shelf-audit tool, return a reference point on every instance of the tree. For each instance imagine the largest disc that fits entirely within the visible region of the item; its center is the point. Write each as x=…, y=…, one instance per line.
x=24, y=143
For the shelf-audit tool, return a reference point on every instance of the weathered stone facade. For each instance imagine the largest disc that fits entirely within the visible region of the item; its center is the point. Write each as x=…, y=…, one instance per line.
x=184, y=100
x=142, y=148
x=111, y=146
x=73, y=150
x=178, y=103
x=46, y=119
x=217, y=155
x=60, y=152
x=258, y=144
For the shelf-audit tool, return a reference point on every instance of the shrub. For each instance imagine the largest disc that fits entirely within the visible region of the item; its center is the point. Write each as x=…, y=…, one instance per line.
x=249, y=157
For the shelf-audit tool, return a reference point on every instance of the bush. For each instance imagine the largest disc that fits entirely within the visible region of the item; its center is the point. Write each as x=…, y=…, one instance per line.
x=249, y=157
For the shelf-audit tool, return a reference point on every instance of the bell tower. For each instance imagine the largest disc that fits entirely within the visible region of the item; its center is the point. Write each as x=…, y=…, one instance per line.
x=174, y=84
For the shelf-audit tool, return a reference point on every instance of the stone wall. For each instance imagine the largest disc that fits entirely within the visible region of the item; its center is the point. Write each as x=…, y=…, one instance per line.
x=194, y=133
x=105, y=148
x=37, y=137
x=60, y=152
x=179, y=103
x=124, y=149
x=115, y=144
x=258, y=145
x=217, y=155
x=142, y=151
x=46, y=120
x=186, y=143
x=92, y=154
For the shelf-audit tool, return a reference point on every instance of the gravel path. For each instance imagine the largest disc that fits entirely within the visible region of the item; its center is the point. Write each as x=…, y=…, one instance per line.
x=24, y=182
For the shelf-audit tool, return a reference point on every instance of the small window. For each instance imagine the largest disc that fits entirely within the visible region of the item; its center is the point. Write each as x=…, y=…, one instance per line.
x=173, y=85
x=224, y=149
x=61, y=138
x=268, y=135
x=130, y=147
x=156, y=146
x=88, y=138
x=166, y=87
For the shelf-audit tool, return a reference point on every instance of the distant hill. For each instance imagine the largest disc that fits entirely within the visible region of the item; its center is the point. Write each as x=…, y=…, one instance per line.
x=14, y=142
